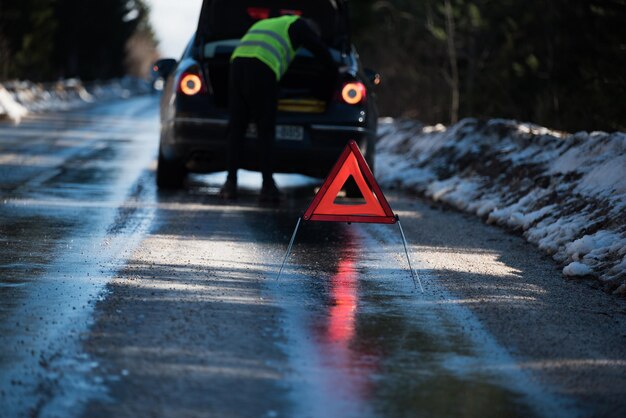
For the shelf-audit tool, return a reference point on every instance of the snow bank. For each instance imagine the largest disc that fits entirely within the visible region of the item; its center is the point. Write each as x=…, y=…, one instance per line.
x=18, y=98
x=566, y=193
x=9, y=107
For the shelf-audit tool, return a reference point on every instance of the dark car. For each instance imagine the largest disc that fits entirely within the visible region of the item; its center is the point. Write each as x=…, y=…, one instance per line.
x=317, y=113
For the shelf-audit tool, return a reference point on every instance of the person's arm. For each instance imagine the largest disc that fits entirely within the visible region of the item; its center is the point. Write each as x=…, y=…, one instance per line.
x=302, y=35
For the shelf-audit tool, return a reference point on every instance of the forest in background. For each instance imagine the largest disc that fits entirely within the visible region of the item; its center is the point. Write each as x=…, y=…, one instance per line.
x=44, y=40
x=558, y=63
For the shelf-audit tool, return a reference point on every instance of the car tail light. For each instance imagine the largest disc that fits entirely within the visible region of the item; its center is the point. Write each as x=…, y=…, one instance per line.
x=353, y=93
x=258, y=13
x=191, y=84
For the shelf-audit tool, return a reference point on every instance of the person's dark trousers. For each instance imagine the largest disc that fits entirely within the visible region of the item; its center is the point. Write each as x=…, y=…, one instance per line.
x=253, y=96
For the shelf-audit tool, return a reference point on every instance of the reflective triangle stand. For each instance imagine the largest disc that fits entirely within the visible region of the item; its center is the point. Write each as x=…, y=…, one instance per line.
x=293, y=237
x=414, y=275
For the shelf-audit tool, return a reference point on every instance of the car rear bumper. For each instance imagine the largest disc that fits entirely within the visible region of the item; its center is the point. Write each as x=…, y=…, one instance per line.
x=202, y=144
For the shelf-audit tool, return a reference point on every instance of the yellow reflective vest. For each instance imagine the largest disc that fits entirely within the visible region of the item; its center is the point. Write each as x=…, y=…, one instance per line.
x=268, y=40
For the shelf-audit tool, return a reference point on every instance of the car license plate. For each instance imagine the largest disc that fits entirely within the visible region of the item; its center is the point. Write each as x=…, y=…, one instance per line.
x=289, y=132
x=283, y=132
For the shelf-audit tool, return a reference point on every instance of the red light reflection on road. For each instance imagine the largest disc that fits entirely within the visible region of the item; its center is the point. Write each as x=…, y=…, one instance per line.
x=344, y=302
x=350, y=383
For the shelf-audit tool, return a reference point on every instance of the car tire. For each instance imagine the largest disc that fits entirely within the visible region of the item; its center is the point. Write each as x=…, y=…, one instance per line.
x=170, y=175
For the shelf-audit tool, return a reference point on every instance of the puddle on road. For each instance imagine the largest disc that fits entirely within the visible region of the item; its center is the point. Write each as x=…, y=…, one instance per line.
x=363, y=343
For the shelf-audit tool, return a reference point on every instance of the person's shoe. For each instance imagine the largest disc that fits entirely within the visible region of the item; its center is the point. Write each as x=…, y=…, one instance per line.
x=270, y=193
x=229, y=190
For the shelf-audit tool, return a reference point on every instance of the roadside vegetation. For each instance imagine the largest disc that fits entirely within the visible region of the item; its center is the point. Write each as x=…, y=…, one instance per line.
x=556, y=63
x=46, y=40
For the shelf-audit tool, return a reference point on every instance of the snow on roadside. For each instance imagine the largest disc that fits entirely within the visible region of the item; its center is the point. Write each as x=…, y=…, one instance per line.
x=9, y=107
x=18, y=98
x=565, y=192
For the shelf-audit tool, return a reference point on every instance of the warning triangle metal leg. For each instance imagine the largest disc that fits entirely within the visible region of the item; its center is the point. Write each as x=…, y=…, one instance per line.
x=293, y=237
x=413, y=274
x=375, y=210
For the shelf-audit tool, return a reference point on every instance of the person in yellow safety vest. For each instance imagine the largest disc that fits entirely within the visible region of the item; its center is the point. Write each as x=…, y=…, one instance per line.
x=256, y=67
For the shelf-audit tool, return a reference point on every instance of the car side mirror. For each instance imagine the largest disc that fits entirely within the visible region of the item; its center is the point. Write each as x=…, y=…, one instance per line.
x=373, y=76
x=164, y=67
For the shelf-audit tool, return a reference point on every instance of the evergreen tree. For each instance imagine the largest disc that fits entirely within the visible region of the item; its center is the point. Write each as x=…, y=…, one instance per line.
x=26, y=37
x=48, y=39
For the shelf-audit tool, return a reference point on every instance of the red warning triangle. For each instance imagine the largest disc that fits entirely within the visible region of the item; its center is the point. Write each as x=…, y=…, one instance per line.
x=374, y=210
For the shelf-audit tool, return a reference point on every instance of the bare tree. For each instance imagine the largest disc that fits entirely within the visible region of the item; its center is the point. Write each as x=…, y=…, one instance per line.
x=453, y=79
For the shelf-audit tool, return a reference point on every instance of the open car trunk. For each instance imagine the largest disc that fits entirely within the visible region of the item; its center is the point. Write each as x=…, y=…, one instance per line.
x=230, y=19
x=305, y=86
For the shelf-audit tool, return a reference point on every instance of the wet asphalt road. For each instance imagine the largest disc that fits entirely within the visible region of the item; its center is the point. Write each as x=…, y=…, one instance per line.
x=118, y=300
